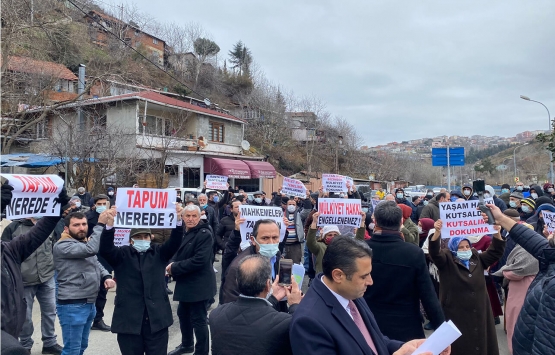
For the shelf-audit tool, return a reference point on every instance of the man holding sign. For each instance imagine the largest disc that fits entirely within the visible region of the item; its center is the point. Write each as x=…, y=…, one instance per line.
x=13, y=254
x=142, y=320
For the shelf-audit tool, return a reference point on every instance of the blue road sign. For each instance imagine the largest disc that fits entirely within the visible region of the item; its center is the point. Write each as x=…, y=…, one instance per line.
x=456, y=156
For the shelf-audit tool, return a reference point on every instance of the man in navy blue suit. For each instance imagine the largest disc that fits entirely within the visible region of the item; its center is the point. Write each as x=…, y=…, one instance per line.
x=333, y=318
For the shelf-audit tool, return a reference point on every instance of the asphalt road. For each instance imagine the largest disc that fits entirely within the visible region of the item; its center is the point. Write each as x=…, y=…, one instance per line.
x=106, y=343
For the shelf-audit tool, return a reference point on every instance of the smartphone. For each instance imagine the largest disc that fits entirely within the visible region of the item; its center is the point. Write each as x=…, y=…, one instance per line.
x=285, y=270
x=479, y=186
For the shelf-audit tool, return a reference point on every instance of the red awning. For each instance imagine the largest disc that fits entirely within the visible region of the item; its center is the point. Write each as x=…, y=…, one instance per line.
x=227, y=167
x=261, y=169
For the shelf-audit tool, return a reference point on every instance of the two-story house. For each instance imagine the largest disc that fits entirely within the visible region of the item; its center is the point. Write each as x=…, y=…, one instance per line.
x=100, y=23
x=192, y=139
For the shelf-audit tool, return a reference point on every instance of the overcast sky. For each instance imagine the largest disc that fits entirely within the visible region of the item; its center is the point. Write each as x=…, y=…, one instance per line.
x=397, y=70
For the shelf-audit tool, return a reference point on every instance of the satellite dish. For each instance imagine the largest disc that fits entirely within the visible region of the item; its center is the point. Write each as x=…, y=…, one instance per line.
x=207, y=102
x=245, y=145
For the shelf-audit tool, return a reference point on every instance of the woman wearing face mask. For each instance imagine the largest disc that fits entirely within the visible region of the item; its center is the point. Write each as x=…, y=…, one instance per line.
x=549, y=190
x=141, y=326
x=318, y=247
x=463, y=292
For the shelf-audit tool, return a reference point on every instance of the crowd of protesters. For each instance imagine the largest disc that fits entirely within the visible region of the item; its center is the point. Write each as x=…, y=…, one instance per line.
x=373, y=289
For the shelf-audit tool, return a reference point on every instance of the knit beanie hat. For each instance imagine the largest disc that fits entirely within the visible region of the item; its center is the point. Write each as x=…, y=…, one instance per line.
x=530, y=202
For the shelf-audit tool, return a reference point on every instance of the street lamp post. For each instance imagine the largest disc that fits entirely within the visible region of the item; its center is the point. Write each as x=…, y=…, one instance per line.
x=549, y=129
x=514, y=156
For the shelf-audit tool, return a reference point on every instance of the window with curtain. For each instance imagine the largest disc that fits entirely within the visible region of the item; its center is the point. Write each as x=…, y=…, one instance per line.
x=216, y=132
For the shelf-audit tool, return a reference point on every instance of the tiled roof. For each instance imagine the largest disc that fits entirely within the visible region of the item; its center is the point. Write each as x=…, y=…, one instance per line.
x=157, y=98
x=33, y=66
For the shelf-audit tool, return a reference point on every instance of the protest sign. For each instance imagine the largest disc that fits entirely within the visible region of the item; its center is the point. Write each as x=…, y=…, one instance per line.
x=337, y=211
x=216, y=182
x=145, y=208
x=549, y=220
x=334, y=183
x=292, y=187
x=375, y=203
x=349, y=181
x=33, y=195
x=253, y=214
x=462, y=219
x=121, y=236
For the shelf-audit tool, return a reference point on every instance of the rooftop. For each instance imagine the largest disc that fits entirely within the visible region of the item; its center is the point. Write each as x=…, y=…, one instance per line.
x=33, y=66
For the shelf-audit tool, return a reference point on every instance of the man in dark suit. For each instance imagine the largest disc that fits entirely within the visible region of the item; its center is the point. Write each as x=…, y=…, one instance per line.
x=333, y=318
x=195, y=283
x=252, y=319
x=396, y=305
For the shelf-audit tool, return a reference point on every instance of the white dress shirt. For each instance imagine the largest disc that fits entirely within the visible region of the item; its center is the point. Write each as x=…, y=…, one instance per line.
x=342, y=300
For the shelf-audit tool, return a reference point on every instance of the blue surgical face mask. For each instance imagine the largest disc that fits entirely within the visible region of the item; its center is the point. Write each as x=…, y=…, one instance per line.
x=216, y=198
x=365, y=210
x=464, y=255
x=425, y=202
x=525, y=209
x=400, y=195
x=100, y=209
x=141, y=245
x=504, y=191
x=512, y=204
x=37, y=217
x=258, y=200
x=453, y=198
x=268, y=250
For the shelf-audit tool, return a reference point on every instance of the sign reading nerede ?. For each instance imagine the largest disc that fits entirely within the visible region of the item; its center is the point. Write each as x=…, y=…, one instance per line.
x=145, y=208
x=33, y=195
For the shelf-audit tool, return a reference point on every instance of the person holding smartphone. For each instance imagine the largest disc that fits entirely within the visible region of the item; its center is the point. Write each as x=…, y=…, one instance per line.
x=252, y=319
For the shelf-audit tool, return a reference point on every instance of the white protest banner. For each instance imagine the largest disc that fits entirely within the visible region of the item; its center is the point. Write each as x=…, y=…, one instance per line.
x=349, y=181
x=145, y=208
x=216, y=182
x=462, y=219
x=339, y=211
x=121, y=236
x=292, y=187
x=334, y=183
x=549, y=220
x=253, y=214
x=33, y=195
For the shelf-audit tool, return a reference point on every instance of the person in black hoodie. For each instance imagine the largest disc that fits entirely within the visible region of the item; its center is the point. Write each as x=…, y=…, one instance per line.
x=535, y=192
x=400, y=197
x=13, y=308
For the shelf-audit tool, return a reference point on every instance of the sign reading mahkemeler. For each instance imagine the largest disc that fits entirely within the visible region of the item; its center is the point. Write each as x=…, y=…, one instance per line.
x=145, y=208
x=339, y=211
x=33, y=195
x=462, y=219
x=254, y=213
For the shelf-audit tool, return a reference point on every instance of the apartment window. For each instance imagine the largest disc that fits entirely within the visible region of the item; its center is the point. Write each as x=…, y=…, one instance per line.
x=153, y=125
x=216, y=132
x=155, y=41
x=191, y=177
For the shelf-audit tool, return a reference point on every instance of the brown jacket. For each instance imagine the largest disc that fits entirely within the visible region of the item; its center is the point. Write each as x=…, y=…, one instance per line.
x=464, y=297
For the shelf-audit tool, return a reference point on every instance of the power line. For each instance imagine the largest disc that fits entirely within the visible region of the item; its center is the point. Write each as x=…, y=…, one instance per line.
x=136, y=51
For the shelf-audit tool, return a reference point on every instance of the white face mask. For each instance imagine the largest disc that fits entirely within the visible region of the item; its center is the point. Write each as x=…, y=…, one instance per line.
x=534, y=196
x=466, y=192
x=111, y=193
x=78, y=204
x=420, y=230
x=291, y=208
x=486, y=195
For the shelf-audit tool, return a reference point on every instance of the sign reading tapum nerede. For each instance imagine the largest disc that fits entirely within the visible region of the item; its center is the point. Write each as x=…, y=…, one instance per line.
x=145, y=208
x=33, y=195
x=462, y=219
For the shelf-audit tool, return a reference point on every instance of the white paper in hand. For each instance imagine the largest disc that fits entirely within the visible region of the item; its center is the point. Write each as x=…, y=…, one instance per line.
x=444, y=336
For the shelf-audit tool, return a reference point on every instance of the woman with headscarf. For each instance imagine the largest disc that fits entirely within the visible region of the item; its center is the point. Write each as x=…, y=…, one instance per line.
x=519, y=271
x=462, y=291
x=318, y=246
x=424, y=227
x=411, y=235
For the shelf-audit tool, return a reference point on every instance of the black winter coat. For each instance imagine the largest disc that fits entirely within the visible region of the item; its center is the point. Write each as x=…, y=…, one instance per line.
x=250, y=326
x=534, y=332
x=224, y=231
x=192, y=267
x=14, y=307
x=401, y=281
x=141, y=284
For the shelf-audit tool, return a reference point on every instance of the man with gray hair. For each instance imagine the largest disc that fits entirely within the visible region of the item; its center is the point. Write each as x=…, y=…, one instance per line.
x=195, y=283
x=251, y=319
x=86, y=198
